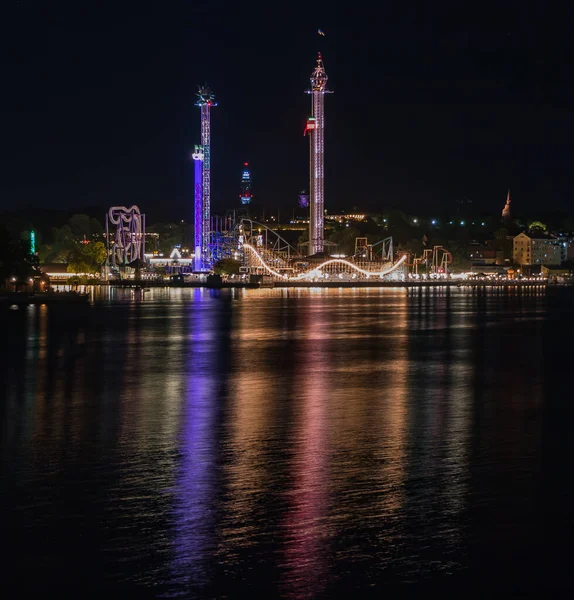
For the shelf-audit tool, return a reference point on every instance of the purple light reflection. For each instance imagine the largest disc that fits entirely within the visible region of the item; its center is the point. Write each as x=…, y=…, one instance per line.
x=194, y=500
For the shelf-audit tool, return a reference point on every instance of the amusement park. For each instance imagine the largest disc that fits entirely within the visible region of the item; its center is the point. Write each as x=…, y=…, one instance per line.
x=259, y=251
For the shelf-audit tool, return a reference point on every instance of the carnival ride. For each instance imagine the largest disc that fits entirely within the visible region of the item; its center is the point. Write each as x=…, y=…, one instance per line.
x=127, y=244
x=436, y=260
x=198, y=157
x=202, y=158
x=262, y=251
x=383, y=249
x=315, y=126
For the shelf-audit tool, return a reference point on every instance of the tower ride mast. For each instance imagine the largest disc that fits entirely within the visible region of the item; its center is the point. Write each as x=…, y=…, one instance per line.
x=316, y=127
x=205, y=100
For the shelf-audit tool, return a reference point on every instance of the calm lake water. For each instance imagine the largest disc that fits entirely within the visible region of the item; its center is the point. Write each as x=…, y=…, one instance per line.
x=299, y=443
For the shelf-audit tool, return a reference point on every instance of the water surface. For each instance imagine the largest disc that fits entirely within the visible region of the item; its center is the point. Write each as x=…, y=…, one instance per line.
x=302, y=443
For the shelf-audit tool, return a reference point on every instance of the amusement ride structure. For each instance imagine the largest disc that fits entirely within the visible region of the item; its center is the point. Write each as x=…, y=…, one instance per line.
x=265, y=252
x=436, y=261
x=261, y=250
x=202, y=156
x=316, y=128
x=197, y=157
x=127, y=244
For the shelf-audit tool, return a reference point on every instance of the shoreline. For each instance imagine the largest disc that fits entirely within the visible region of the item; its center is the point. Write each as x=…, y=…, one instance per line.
x=337, y=284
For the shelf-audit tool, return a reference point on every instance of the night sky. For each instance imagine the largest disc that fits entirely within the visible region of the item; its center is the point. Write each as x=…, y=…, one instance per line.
x=432, y=104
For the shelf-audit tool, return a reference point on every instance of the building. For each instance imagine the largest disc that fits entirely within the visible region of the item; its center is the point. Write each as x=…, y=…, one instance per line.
x=175, y=263
x=481, y=255
x=530, y=249
x=503, y=248
x=487, y=258
x=566, y=248
x=344, y=218
x=557, y=274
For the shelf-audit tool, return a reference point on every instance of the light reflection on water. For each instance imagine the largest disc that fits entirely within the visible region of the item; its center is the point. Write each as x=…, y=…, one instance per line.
x=297, y=441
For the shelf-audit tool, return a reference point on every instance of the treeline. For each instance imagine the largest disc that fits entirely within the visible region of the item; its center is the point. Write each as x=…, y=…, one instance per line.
x=414, y=234
x=79, y=239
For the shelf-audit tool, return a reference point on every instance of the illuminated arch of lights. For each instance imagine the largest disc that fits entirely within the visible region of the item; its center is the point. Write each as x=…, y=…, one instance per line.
x=316, y=271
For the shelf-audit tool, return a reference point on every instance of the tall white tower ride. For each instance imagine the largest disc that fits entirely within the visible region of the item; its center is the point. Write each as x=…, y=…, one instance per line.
x=316, y=128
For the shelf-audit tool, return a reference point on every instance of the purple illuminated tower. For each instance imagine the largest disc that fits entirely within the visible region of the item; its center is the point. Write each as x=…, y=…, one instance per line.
x=205, y=100
x=197, y=207
x=316, y=127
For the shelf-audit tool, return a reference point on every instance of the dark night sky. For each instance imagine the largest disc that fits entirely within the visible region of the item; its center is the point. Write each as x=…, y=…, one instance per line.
x=432, y=103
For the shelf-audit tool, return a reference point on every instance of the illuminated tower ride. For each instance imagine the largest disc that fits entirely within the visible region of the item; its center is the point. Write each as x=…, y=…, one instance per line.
x=197, y=207
x=205, y=100
x=246, y=195
x=316, y=127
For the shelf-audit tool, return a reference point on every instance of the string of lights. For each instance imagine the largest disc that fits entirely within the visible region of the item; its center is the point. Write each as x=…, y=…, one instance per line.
x=316, y=271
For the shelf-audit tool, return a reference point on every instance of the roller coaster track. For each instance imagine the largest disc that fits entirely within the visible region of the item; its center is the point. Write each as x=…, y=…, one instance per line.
x=318, y=270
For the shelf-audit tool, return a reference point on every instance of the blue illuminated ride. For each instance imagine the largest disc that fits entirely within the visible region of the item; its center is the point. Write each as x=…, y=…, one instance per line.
x=246, y=196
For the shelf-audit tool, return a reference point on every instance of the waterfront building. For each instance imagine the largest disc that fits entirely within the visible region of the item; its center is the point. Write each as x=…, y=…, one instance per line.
x=536, y=248
x=566, y=247
x=480, y=255
x=558, y=274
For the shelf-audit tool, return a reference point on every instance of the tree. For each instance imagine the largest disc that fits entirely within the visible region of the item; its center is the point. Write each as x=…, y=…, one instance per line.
x=227, y=266
x=344, y=236
x=414, y=247
x=501, y=233
x=62, y=245
x=170, y=235
x=303, y=238
x=83, y=226
x=399, y=226
x=87, y=258
x=15, y=259
x=537, y=226
x=460, y=258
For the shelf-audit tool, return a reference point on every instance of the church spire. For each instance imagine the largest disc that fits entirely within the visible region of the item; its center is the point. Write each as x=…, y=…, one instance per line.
x=506, y=209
